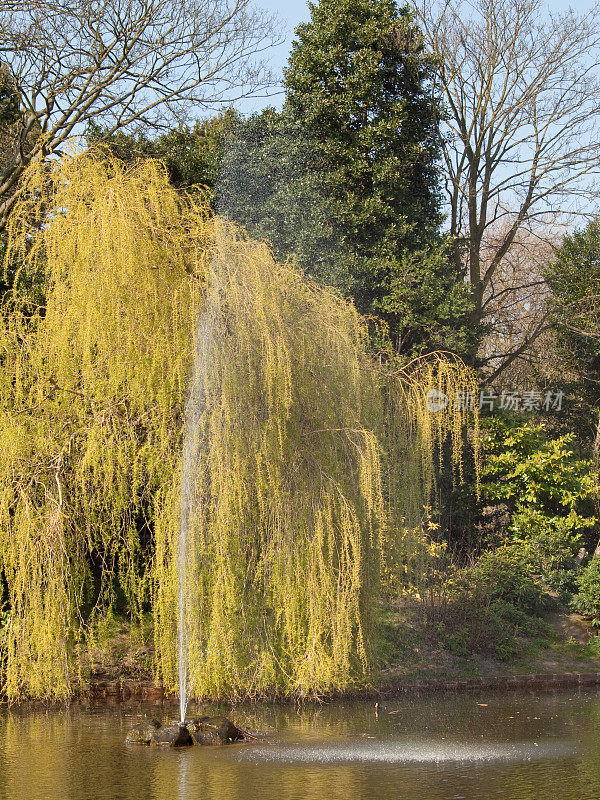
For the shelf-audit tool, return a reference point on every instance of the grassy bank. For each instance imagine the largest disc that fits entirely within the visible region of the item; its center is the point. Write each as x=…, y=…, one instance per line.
x=555, y=642
x=558, y=642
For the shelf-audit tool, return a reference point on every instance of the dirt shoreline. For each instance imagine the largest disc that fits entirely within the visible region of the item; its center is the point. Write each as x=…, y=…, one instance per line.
x=123, y=690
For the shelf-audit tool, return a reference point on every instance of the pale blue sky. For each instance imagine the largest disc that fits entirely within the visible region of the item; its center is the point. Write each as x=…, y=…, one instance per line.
x=292, y=12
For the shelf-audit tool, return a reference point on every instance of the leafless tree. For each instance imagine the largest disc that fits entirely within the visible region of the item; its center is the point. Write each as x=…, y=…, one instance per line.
x=122, y=63
x=520, y=136
x=516, y=306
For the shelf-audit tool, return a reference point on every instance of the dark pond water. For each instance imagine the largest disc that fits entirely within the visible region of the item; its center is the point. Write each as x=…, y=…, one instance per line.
x=450, y=747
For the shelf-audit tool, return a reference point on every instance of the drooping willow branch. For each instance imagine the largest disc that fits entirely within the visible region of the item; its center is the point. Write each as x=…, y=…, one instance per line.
x=306, y=459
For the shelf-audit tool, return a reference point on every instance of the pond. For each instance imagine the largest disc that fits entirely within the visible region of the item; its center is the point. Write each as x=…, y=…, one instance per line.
x=441, y=747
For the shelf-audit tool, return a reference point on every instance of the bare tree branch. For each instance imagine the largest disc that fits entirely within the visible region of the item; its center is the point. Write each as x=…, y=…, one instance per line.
x=122, y=63
x=520, y=134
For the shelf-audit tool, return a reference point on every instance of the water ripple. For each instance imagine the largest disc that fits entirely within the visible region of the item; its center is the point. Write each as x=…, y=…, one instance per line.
x=407, y=752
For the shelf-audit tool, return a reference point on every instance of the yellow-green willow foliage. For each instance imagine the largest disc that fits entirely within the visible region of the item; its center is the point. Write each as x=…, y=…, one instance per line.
x=428, y=423
x=150, y=301
x=284, y=544
x=90, y=399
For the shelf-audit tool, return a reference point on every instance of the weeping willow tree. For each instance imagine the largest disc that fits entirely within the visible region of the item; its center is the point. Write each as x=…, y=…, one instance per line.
x=425, y=429
x=90, y=400
x=294, y=443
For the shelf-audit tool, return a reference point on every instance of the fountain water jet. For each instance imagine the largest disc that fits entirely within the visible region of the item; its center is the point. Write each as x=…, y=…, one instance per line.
x=191, y=462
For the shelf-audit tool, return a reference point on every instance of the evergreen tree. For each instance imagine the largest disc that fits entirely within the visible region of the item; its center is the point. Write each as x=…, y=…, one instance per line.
x=357, y=77
x=192, y=154
x=574, y=279
x=345, y=177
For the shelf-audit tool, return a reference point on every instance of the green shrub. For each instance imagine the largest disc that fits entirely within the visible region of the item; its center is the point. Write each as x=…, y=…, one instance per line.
x=549, y=549
x=533, y=485
x=490, y=608
x=504, y=575
x=538, y=496
x=587, y=600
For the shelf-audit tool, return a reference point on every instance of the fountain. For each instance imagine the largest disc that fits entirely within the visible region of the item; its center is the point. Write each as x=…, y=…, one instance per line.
x=191, y=462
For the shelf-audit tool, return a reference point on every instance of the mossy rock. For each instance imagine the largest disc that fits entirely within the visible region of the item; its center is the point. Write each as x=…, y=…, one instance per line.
x=142, y=733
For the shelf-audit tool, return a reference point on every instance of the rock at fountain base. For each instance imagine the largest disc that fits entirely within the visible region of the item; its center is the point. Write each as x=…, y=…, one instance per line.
x=215, y=730
x=202, y=731
x=171, y=736
x=142, y=733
